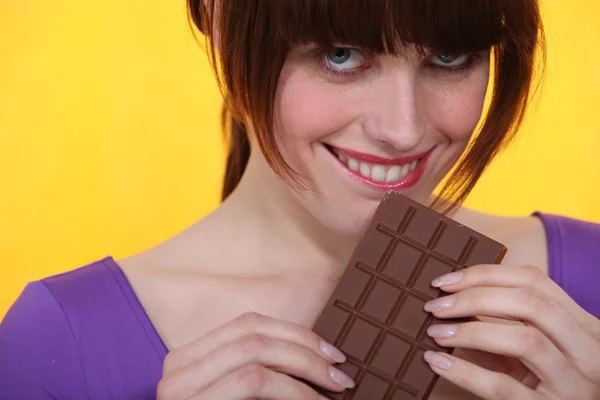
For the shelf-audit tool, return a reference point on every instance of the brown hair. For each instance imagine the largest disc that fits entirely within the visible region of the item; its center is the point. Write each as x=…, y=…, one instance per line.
x=254, y=38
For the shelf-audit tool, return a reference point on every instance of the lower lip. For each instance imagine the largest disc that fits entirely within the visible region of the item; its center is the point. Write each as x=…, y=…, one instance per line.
x=407, y=182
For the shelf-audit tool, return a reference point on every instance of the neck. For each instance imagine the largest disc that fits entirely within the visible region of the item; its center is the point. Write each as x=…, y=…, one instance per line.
x=285, y=237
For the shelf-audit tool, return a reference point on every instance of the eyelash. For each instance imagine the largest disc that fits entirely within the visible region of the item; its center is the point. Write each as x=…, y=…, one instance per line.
x=466, y=67
x=339, y=72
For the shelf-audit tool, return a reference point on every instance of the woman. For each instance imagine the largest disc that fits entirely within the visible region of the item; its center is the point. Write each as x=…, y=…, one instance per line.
x=330, y=104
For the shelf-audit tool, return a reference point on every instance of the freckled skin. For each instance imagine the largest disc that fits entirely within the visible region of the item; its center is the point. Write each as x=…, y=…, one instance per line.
x=392, y=108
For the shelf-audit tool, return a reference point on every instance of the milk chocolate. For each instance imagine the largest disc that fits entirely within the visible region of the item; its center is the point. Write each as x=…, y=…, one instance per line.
x=375, y=314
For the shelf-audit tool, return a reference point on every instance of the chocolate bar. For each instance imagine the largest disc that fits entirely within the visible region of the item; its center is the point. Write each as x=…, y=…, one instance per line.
x=375, y=314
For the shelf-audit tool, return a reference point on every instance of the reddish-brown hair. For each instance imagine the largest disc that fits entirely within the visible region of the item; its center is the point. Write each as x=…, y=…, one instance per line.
x=254, y=38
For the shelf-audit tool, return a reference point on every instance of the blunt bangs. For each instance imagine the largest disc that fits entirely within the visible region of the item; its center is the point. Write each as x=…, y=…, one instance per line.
x=390, y=26
x=250, y=40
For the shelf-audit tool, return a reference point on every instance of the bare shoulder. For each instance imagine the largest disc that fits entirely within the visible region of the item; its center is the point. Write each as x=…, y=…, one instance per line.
x=525, y=237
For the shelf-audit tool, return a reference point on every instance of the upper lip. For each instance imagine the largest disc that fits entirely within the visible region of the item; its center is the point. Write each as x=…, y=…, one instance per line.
x=373, y=159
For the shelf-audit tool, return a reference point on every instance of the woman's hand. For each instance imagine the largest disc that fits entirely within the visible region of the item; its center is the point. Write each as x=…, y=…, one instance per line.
x=253, y=357
x=538, y=344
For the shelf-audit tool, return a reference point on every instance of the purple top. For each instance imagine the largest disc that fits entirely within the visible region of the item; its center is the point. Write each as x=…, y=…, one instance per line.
x=84, y=334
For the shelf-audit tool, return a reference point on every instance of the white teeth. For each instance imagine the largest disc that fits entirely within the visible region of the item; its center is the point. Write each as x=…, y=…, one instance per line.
x=413, y=166
x=365, y=170
x=353, y=164
x=404, y=170
x=393, y=174
x=378, y=173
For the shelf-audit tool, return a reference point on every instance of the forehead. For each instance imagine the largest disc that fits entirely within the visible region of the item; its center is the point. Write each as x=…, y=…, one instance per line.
x=386, y=26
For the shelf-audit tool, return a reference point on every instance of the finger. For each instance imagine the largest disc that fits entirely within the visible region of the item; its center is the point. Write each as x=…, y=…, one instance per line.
x=506, y=365
x=525, y=343
x=278, y=355
x=258, y=382
x=248, y=324
x=528, y=305
x=485, y=384
x=514, y=277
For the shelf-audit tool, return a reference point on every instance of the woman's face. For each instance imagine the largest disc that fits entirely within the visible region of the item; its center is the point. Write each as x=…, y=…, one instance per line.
x=354, y=126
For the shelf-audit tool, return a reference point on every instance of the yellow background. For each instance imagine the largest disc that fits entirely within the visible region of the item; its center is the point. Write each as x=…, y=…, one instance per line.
x=109, y=136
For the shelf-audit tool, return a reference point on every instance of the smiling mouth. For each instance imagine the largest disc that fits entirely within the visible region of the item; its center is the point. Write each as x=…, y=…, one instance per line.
x=382, y=172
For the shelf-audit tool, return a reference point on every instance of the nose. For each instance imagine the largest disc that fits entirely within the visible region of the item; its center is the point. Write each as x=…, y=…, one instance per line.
x=394, y=116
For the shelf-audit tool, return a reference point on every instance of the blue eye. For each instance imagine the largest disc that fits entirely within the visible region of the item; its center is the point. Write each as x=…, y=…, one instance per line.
x=449, y=60
x=343, y=59
x=340, y=56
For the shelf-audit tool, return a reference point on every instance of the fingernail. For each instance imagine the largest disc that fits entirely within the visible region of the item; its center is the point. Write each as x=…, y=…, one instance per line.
x=438, y=360
x=448, y=279
x=332, y=353
x=443, y=303
x=442, y=331
x=341, y=378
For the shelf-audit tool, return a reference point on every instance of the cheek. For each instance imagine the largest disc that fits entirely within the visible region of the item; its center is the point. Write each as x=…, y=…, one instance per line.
x=307, y=110
x=456, y=111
